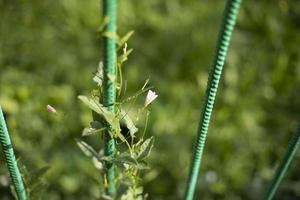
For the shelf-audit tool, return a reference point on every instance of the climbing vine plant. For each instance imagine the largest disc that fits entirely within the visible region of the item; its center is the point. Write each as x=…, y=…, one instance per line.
x=132, y=145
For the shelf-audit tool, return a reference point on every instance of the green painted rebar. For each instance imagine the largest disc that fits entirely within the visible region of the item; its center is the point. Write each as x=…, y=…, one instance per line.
x=229, y=19
x=11, y=159
x=284, y=164
x=109, y=94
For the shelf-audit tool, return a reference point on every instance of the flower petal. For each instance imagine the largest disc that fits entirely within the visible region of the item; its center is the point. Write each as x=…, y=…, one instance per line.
x=151, y=96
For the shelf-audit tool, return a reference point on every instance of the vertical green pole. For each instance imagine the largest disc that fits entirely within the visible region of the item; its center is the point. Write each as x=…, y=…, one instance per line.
x=284, y=164
x=229, y=19
x=11, y=159
x=109, y=94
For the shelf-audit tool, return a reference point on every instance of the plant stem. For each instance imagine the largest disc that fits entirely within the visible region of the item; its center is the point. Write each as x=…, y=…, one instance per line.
x=229, y=19
x=284, y=164
x=10, y=159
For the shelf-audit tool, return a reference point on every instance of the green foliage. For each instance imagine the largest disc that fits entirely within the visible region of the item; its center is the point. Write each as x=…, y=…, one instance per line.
x=48, y=53
x=106, y=116
x=34, y=182
x=128, y=123
x=129, y=160
x=144, y=149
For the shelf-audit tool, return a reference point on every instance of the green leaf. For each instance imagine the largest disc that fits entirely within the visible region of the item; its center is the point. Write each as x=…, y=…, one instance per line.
x=142, y=165
x=123, y=160
x=126, y=158
x=103, y=24
x=98, y=164
x=91, y=152
x=135, y=194
x=138, y=191
x=106, y=197
x=93, y=104
x=109, y=117
x=122, y=58
x=128, y=122
x=86, y=149
x=111, y=77
x=111, y=35
x=145, y=148
x=128, y=195
x=121, y=137
x=119, y=164
x=97, y=125
x=99, y=75
x=125, y=38
x=90, y=131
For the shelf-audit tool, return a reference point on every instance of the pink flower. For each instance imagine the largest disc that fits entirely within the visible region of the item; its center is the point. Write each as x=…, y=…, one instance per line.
x=151, y=96
x=50, y=109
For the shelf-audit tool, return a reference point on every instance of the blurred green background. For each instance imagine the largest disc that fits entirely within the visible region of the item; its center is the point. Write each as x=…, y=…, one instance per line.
x=49, y=51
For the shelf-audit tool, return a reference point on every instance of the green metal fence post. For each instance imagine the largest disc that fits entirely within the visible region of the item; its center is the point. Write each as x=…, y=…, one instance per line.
x=284, y=164
x=11, y=159
x=109, y=94
x=230, y=15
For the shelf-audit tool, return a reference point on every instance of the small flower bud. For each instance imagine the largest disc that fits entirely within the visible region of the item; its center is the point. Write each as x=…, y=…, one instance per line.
x=51, y=109
x=151, y=96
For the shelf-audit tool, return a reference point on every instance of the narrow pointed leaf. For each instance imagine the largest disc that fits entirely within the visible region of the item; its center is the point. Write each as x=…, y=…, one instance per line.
x=125, y=38
x=126, y=158
x=91, y=131
x=86, y=149
x=128, y=122
x=99, y=75
x=109, y=117
x=145, y=148
x=97, y=125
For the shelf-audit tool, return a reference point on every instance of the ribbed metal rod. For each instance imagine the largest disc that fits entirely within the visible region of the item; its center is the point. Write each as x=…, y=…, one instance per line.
x=10, y=159
x=109, y=93
x=229, y=19
x=289, y=155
